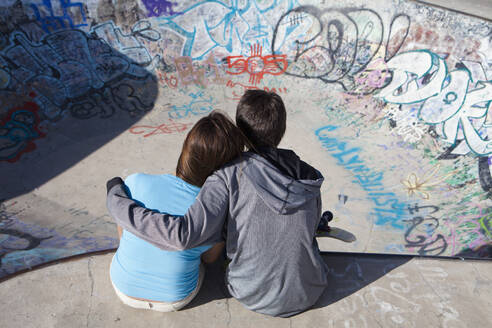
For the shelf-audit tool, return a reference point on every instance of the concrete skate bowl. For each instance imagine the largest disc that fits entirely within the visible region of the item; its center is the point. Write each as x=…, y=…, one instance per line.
x=389, y=100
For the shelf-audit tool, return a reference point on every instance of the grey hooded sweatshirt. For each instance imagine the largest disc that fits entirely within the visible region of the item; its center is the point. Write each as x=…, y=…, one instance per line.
x=269, y=206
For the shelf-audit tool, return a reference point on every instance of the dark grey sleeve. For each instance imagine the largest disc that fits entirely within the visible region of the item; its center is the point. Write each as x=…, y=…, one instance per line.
x=201, y=225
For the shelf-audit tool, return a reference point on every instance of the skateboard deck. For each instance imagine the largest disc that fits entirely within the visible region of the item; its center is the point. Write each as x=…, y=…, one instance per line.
x=337, y=233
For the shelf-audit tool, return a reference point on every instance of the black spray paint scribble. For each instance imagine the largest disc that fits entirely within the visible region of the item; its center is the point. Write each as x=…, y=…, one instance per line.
x=434, y=245
x=342, y=199
x=484, y=173
x=22, y=241
x=343, y=43
x=420, y=233
x=32, y=242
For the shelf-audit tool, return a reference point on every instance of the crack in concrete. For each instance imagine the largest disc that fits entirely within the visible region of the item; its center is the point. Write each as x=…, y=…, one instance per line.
x=369, y=238
x=444, y=301
x=229, y=316
x=371, y=314
x=475, y=269
x=91, y=277
x=480, y=282
x=377, y=321
x=430, y=285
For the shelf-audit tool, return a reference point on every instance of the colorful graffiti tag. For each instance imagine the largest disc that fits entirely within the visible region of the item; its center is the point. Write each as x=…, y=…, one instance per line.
x=233, y=27
x=257, y=65
x=332, y=45
x=18, y=130
x=452, y=102
x=388, y=209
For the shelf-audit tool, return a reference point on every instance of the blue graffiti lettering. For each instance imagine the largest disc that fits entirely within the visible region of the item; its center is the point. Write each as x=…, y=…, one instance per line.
x=388, y=209
x=199, y=105
x=45, y=14
x=228, y=27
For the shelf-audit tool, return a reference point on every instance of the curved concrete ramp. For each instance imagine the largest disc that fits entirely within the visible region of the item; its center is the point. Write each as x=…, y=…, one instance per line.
x=389, y=100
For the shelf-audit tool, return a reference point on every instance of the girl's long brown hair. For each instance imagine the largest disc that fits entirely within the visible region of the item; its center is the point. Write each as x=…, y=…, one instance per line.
x=212, y=142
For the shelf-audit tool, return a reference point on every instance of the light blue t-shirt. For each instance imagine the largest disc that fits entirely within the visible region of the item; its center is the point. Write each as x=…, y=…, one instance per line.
x=140, y=269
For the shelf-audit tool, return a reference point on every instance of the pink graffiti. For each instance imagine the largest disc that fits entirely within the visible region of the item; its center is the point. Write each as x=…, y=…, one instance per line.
x=200, y=73
x=375, y=74
x=463, y=231
x=171, y=81
x=257, y=65
x=165, y=128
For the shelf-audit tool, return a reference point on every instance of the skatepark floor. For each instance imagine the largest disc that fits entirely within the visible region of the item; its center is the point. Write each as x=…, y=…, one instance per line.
x=364, y=291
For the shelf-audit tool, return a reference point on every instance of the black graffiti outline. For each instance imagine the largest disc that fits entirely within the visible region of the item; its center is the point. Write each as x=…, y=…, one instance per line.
x=421, y=240
x=5, y=219
x=33, y=241
x=484, y=173
x=332, y=50
x=417, y=208
x=6, y=216
x=447, y=155
x=97, y=49
x=386, y=57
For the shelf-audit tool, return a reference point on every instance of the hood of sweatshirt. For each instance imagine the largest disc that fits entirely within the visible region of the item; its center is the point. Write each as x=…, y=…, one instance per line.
x=284, y=182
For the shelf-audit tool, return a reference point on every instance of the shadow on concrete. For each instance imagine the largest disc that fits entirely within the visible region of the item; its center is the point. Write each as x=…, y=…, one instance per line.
x=64, y=93
x=213, y=287
x=482, y=252
x=337, y=233
x=348, y=273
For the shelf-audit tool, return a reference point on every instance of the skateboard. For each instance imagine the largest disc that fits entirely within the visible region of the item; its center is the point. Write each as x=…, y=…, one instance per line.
x=325, y=230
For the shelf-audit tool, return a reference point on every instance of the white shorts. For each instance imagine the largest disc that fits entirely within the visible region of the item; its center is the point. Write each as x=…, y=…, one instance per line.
x=162, y=306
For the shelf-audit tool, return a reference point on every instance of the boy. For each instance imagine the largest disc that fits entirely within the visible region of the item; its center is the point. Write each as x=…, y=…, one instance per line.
x=268, y=203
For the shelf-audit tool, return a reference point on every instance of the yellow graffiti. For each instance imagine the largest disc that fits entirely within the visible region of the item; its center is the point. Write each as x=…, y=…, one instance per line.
x=484, y=223
x=420, y=187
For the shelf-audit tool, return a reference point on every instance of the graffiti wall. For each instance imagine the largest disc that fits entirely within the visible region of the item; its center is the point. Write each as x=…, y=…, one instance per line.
x=388, y=99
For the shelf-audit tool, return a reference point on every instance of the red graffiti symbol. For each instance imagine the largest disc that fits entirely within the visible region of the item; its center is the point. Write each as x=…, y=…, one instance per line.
x=171, y=82
x=257, y=65
x=231, y=84
x=275, y=90
x=165, y=128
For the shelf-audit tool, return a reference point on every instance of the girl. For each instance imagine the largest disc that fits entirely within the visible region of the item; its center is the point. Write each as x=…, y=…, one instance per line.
x=145, y=276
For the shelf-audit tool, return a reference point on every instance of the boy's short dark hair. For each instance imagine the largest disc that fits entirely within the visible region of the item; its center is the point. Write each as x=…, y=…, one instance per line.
x=262, y=117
